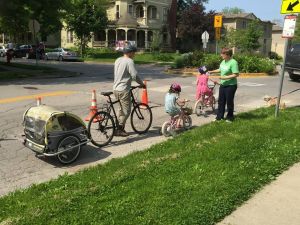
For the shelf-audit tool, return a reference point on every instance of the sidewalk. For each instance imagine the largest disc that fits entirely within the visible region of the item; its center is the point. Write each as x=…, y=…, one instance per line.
x=276, y=204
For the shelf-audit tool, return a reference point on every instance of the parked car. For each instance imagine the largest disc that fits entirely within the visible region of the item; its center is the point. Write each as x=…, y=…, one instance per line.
x=61, y=54
x=292, y=65
x=24, y=51
x=2, y=51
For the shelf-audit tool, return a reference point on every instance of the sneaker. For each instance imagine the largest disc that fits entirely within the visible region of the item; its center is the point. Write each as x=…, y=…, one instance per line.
x=217, y=120
x=121, y=133
x=228, y=121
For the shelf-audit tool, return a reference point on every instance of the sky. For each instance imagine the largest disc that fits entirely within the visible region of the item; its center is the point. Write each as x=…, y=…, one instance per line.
x=263, y=9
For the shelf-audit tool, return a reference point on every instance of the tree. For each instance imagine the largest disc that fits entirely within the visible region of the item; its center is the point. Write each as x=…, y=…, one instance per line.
x=192, y=23
x=233, y=10
x=16, y=15
x=296, y=38
x=246, y=40
x=84, y=17
x=13, y=18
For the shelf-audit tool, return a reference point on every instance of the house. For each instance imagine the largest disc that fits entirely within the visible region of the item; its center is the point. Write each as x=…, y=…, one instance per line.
x=240, y=21
x=29, y=37
x=277, y=40
x=137, y=21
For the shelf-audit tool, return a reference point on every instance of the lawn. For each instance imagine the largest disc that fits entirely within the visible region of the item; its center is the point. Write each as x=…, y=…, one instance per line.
x=19, y=71
x=198, y=177
x=140, y=58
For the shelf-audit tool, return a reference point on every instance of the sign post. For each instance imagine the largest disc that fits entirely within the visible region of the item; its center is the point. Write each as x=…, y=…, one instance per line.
x=205, y=38
x=288, y=33
x=218, y=20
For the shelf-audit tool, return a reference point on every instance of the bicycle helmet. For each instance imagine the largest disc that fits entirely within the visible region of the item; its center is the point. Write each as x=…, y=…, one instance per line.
x=129, y=48
x=176, y=87
x=202, y=70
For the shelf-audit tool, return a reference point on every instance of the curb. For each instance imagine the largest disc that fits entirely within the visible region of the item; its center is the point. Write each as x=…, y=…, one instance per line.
x=186, y=73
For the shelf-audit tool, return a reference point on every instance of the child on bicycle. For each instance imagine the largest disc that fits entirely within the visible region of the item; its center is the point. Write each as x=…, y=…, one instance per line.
x=173, y=103
x=202, y=83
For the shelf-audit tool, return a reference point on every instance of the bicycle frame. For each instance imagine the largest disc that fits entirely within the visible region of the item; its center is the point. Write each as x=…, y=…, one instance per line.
x=112, y=108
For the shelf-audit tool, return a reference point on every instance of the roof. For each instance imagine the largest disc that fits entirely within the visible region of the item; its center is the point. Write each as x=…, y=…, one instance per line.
x=249, y=16
x=127, y=20
x=277, y=28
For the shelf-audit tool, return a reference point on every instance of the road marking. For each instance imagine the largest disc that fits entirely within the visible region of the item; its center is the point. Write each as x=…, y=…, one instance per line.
x=26, y=97
x=249, y=84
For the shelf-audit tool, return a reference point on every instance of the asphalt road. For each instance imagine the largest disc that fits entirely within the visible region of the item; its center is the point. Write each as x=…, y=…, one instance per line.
x=19, y=167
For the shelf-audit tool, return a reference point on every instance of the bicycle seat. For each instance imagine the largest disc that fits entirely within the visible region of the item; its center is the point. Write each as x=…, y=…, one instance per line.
x=106, y=93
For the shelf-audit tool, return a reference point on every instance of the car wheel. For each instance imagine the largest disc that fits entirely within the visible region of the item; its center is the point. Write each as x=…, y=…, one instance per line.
x=60, y=58
x=293, y=76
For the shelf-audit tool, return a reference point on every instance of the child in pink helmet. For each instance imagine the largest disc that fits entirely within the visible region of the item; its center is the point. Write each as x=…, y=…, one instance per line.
x=202, y=83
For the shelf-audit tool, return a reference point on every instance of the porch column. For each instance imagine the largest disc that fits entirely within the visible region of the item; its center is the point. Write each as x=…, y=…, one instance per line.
x=146, y=39
x=106, y=38
x=126, y=30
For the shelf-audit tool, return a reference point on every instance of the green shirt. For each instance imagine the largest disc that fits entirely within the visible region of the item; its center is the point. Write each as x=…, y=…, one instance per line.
x=227, y=68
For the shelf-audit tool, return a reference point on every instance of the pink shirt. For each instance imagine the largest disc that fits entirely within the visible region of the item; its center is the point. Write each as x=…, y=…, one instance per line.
x=202, y=86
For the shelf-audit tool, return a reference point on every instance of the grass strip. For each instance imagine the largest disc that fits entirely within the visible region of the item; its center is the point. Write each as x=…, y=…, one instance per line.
x=198, y=177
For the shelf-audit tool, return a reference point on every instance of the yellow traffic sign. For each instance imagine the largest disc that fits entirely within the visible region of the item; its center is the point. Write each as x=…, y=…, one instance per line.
x=218, y=33
x=290, y=6
x=218, y=21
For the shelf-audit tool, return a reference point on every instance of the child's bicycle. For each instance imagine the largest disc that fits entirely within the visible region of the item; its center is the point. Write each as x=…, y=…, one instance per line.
x=170, y=128
x=205, y=102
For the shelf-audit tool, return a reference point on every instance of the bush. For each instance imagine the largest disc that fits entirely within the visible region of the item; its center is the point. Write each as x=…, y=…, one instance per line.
x=197, y=58
x=164, y=57
x=274, y=55
x=102, y=53
x=183, y=60
x=254, y=64
x=211, y=61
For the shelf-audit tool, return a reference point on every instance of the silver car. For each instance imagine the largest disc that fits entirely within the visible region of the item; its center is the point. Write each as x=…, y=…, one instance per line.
x=61, y=54
x=2, y=51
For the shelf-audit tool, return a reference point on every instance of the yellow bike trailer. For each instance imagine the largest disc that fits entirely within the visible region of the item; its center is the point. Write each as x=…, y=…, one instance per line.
x=51, y=132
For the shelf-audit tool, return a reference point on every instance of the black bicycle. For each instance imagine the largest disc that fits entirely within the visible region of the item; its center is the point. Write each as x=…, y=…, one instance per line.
x=103, y=125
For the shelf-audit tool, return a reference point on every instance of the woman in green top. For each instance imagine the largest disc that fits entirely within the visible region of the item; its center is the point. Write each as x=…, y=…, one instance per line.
x=228, y=84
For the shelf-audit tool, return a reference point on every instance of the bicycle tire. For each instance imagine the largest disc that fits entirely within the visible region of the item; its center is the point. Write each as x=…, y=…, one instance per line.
x=187, y=122
x=166, y=129
x=71, y=155
x=213, y=104
x=141, y=118
x=104, y=128
x=199, y=108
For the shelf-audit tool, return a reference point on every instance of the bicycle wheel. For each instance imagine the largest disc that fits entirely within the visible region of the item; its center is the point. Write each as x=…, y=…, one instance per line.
x=187, y=122
x=141, y=118
x=199, y=108
x=70, y=155
x=101, y=129
x=213, y=103
x=166, y=129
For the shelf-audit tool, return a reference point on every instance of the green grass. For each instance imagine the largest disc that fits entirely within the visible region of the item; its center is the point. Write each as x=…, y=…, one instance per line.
x=144, y=58
x=19, y=71
x=198, y=177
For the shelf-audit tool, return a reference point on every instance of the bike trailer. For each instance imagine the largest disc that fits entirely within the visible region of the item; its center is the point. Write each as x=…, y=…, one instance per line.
x=51, y=132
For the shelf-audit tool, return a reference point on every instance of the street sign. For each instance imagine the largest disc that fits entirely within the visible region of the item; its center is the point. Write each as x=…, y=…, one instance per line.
x=217, y=33
x=290, y=6
x=289, y=26
x=218, y=21
x=205, y=37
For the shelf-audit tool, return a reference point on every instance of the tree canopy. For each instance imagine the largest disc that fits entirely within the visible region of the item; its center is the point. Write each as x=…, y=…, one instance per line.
x=233, y=10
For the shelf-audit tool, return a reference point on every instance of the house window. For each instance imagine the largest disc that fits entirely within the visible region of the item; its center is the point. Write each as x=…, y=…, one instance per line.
x=152, y=12
x=244, y=25
x=165, y=14
x=69, y=36
x=139, y=12
x=130, y=9
x=117, y=11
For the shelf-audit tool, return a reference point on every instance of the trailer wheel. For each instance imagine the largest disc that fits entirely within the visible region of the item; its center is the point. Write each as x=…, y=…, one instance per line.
x=70, y=155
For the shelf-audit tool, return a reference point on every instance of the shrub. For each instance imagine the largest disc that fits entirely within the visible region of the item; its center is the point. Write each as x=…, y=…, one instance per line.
x=212, y=61
x=164, y=57
x=197, y=58
x=254, y=64
x=274, y=55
